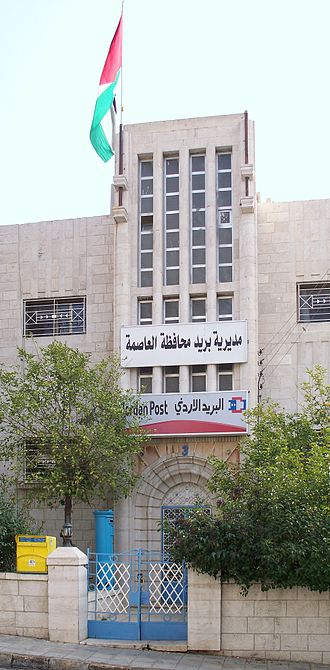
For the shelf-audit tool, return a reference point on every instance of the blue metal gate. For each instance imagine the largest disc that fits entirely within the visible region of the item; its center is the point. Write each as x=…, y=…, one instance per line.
x=138, y=595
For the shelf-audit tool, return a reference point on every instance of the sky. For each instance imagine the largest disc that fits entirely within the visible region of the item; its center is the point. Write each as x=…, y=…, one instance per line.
x=181, y=58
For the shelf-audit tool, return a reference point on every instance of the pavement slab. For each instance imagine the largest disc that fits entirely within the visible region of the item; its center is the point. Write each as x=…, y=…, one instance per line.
x=25, y=653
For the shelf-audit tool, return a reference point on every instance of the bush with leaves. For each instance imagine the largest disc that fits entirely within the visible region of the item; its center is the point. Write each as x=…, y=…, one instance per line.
x=13, y=521
x=272, y=522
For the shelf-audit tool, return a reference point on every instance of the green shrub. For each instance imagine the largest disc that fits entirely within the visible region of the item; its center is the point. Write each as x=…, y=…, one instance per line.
x=12, y=522
x=272, y=519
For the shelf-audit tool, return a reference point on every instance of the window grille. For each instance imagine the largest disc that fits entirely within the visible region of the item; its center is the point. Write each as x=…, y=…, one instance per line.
x=55, y=316
x=197, y=215
x=171, y=213
x=37, y=461
x=314, y=302
x=146, y=223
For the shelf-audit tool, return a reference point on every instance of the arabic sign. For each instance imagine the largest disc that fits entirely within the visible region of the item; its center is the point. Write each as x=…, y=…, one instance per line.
x=193, y=413
x=184, y=344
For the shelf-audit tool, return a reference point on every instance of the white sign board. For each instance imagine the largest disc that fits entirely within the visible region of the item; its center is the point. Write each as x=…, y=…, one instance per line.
x=184, y=344
x=193, y=413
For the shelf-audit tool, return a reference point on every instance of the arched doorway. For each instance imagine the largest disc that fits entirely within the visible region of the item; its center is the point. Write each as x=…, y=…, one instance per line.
x=178, y=479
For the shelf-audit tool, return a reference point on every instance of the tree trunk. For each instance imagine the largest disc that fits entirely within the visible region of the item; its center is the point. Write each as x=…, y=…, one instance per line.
x=68, y=509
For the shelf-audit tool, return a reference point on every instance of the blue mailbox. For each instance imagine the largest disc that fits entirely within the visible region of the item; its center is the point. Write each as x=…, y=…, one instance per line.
x=104, y=531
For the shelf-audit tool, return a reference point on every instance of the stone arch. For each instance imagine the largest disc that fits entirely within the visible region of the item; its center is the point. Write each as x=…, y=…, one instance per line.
x=155, y=484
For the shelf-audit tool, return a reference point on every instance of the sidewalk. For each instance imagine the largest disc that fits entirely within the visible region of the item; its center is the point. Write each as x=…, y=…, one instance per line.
x=25, y=652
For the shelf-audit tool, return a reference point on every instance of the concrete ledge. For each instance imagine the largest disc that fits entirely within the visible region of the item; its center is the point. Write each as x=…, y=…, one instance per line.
x=120, y=214
x=120, y=181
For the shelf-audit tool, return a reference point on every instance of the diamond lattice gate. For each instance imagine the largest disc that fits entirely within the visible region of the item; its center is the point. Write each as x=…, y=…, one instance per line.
x=138, y=595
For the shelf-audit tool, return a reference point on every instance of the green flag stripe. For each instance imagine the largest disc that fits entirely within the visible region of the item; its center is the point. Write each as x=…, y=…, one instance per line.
x=100, y=143
x=97, y=135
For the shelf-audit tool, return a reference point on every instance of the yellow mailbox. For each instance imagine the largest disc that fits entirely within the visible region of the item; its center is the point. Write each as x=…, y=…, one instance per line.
x=32, y=551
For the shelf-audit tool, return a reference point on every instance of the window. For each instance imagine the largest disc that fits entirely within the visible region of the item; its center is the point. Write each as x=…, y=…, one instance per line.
x=145, y=380
x=197, y=216
x=145, y=312
x=146, y=222
x=198, y=309
x=225, y=308
x=314, y=302
x=171, y=310
x=55, y=316
x=224, y=222
x=225, y=377
x=37, y=461
x=198, y=378
x=171, y=213
x=171, y=379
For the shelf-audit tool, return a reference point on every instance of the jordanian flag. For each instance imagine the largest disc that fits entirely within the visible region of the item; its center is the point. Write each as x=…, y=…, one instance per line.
x=109, y=77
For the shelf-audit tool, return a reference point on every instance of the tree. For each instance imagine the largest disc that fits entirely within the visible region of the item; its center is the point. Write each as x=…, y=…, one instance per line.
x=69, y=420
x=272, y=522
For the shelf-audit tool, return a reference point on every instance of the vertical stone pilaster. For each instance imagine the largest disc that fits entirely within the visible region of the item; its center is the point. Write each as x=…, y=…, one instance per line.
x=204, y=612
x=67, y=595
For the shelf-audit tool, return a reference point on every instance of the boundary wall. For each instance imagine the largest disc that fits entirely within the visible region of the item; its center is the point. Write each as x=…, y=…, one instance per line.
x=51, y=606
x=280, y=624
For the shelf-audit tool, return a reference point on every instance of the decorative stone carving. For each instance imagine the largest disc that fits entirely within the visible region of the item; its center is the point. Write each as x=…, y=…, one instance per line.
x=185, y=494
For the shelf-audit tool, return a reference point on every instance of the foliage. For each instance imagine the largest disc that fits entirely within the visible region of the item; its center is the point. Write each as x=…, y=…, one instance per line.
x=13, y=521
x=76, y=414
x=272, y=522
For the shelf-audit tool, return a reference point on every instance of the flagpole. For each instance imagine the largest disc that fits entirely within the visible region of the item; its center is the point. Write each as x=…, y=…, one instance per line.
x=120, y=194
x=121, y=74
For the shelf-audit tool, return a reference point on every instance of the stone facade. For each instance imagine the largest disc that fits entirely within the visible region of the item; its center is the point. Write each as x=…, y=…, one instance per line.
x=50, y=606
x=275, y=247
x=58, y=259
x=293, y=248
x=168, y=462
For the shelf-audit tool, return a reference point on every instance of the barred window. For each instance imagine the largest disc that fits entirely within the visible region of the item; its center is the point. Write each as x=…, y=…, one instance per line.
x=314, y=302
x=38, y=461
x=55, y=316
